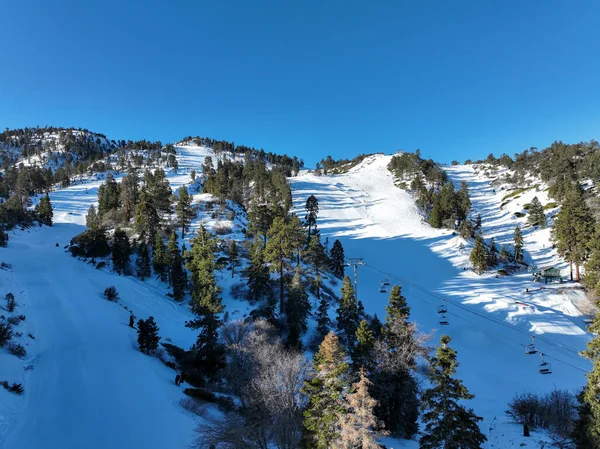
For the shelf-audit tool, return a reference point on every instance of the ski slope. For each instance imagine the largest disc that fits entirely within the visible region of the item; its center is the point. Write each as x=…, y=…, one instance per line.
x=490, y=318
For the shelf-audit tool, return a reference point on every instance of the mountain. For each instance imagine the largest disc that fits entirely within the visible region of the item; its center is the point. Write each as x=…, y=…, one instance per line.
x=87, y=384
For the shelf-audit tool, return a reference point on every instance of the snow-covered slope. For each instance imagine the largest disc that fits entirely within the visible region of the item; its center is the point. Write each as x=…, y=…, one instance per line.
x=490, y=318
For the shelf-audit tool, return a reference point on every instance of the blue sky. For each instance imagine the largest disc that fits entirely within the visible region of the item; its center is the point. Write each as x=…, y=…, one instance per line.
x=457, y=79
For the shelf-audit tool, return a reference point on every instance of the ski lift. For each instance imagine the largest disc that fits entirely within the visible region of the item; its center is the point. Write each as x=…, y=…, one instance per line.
x=545, y=367
x=443, y=308
x=531, y=349
x=444, y=320
x=386, y=281
x=382, y=288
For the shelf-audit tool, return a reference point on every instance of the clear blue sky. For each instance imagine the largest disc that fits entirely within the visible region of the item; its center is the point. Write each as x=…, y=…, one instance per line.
x=457, y=79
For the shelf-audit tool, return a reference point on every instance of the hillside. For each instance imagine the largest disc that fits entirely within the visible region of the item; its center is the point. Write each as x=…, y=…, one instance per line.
x=84, y=356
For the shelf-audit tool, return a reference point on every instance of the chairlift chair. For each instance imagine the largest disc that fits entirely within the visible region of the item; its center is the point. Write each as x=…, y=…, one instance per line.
x=545, y=367
x=386, y=281
x=444, y=320
x=443, y=308
x=382, y=288
x=531, y=348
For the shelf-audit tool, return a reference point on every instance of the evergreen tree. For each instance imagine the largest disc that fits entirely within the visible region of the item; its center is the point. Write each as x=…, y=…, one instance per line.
x=585, y=429
x=505, y=254
x=260, y=220
x=233, y=257
x=129, y=195
x=148, y=336
x=312, y=210
x=143, y=262
x=160, y=258
x=43, y=210
x=447, y=422
x=479, y=256
x=359, y=428
x=147, y=221
x=492, y=254
x=397, y=306
x=159, y=190
x=108, y=195
x=477, y=227
x=121, y=251
x=277, y=253
x=589, y=419
x=535, y=214
x=347, y=314
x=185, y=213
x=316, y=258
x=297, y=311
x=324, y=392
x=362, y=353
x=573, y=229
x=258, y=273
x=323, y=320
x=296, y=237
x=92, y=220
x=177, y=273
x=518, y=242
x=206, y=303
x=337, y=259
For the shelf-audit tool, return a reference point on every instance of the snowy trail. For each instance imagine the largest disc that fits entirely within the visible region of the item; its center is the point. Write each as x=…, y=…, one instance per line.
x=490, y=319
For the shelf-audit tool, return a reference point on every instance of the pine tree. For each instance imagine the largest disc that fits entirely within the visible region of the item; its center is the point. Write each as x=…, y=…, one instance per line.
x=143, y=262
x=160, y=259
x=92, y=220
x=148, y=336
x=147, y=221
x=362, y=353
x=233, y=256
x=260, y=220
x=129, y=195
x=347, y=314
x=589, y=420
x=159, y=190
x=492, y=254
x=316, y=258
x=277, y=253
x=206, y=303
x=108, y=195
x=296, y=237
x=258, y=273
x=477, y=227
x=177, y=273
x=323, y=320
x=518, y=242
x=297, y=309
x=44, y=211
x=585, y=429
x=324, y=392
x=121, y=251
x=185, y=213
x=479, y=256
x=535, y=213
x=397, y=306
x=312, y=210
x=573, y=229
x=447, y=422
x=359, y=428
x=337, y=259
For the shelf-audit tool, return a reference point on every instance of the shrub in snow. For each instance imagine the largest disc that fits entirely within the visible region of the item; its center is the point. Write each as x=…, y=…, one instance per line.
x=17, y=349
x=14, y=388
x=6, y=333
x=11, y=304
x=14, y=320
x=223, y=228
x=111, y=293
x=238, y=291
x=193, y=406
x=148, y=336
x=3, y=238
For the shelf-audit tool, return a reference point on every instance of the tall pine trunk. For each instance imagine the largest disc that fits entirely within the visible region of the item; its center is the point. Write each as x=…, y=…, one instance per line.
x=571, y=268
x=577, y=275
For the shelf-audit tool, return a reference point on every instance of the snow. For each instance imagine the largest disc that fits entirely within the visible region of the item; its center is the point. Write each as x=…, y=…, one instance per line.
x=491, y=318
x=89, y=386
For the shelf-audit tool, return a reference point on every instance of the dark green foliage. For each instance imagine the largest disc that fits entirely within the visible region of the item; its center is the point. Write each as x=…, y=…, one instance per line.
x=260, y=219
x=177, y=273
x=157, y=186
x=278, y=252
x=347, y=314
x=590, y=400
x=92, y=242
x=3, y=238
x=17, y=349
x=536, y=216
x=363, y=353
x=492, y=254
x=43, y=211
x=160, y=259
x=11, y=304
x=323, y=320
x=573, y=229
x=324, y=392
x=147, y=220
x=583, y=434
x=397, y=307
x=205, y=303
x=129, y=195
x=142, y=262
x=312, y=210
x=233, y=256
x=317, y=259
x=108, y=195
x=148, y=337
x=258, y=273
x=297, y=310
x=477, y=227
x=111, y=293
x=479, y=256
x=121, y=251
x=185, y=213
x=518, y=244
x=447, y=422
x=6, y=333
x=14, y=388
x=337, y=259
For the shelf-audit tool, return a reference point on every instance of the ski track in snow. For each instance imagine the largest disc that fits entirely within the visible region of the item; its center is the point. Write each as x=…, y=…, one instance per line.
x=90, y=386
